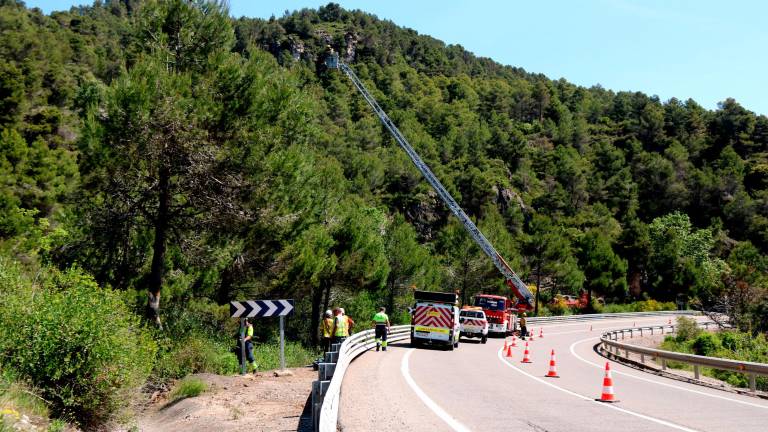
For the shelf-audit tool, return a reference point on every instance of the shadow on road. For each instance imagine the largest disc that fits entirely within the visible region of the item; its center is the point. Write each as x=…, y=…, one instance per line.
x=305, y=421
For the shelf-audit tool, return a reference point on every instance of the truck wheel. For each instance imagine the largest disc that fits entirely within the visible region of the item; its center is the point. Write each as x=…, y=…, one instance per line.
x=450, y=347
x=484, y=340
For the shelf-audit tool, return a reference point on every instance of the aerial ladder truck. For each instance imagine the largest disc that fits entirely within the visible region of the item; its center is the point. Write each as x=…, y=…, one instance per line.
x=519, y=289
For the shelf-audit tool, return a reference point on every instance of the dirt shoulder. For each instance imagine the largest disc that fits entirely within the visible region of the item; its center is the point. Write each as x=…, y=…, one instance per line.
x=259, y=402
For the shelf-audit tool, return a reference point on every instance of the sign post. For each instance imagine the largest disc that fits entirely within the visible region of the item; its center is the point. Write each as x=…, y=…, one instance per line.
x=261, y=309
x=282, y=343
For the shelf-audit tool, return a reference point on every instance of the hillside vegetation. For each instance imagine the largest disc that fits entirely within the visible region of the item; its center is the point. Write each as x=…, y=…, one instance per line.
x=167, y=158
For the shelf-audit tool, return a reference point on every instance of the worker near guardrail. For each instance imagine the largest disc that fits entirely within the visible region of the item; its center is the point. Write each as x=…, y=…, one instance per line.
x=523, y=326
x=341, y=325
x=381, y=323
x=248, y=346
x=350, y=321
x=326, y=330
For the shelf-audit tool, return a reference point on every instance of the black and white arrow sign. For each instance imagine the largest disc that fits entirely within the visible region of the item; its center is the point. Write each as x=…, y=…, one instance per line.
x=260, y=308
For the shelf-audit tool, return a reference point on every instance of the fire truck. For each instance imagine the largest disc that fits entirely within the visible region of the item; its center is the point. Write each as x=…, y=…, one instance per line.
x=500, y=312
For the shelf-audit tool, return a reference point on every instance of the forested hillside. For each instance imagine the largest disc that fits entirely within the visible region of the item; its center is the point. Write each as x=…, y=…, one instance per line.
x=170, y=149
x=240, y=166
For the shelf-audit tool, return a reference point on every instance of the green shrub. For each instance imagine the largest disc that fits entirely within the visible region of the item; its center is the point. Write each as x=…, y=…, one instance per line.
x=639, y=306
x=729, y=340
x=188, y=387
x=195, y=353
x=706, y=344
x=15, y=397
x=296, y=355
x=559, y=307
x=76, y=342
x=686, y=329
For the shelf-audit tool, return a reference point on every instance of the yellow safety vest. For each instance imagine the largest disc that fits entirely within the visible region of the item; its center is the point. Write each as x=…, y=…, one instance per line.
x=327, y=326
x=342, y=326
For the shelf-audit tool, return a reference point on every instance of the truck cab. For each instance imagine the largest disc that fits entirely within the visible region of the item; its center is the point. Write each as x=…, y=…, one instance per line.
x=500, y=313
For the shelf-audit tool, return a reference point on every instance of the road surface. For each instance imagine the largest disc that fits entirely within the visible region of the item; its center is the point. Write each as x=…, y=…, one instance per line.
x=475, y=388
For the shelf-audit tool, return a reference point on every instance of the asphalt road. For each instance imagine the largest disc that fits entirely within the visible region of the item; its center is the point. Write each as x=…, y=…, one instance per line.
x=475, y=388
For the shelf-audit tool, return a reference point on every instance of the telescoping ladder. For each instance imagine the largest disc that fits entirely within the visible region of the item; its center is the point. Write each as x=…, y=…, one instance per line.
x=513, y=281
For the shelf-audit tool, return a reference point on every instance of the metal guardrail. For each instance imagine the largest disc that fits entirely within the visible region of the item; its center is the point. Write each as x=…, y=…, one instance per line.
x=610, y=345
x=326, y=391
x=597, y=317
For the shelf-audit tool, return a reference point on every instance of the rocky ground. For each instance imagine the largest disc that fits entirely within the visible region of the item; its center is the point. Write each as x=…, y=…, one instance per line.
x=261, y=402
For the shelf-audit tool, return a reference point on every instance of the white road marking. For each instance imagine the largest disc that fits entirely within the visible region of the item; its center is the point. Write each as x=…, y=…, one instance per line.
x=716, y=396
x=444, y=416
x=614, y=407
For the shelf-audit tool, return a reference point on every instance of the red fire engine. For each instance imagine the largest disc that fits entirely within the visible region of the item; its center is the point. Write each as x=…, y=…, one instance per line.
x=500, y=311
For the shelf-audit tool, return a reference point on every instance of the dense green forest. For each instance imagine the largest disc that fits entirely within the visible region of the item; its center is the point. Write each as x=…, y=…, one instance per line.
x=164, y=150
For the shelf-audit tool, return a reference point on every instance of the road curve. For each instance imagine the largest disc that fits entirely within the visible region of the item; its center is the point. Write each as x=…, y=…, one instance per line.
x=476, y=388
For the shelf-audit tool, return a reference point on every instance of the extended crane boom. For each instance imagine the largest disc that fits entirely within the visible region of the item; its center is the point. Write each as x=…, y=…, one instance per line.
x=513, y=281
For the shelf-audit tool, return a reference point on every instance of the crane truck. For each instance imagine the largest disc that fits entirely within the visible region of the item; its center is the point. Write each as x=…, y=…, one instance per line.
x=518, y=288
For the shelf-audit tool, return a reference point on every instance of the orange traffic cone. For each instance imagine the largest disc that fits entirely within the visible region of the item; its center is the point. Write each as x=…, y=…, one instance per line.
x=533, y=333
x=505, y=344
x=670, y=321
x=509, y=351
x=552, y=369
x=526, y=355
x=541, y=333
x=514, y=342
x=608, y=395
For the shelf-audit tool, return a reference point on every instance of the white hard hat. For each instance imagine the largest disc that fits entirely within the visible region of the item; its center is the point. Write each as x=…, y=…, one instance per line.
x=342, y=310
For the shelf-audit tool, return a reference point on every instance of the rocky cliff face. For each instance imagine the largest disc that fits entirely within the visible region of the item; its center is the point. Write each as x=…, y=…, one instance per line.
x=425, y=215
x=506, y=197
x=350, y=40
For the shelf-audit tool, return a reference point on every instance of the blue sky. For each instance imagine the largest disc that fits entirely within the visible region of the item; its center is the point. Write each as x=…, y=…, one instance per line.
x=707, y=50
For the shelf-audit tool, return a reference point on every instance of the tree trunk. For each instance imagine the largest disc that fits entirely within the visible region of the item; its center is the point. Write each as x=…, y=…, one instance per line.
x=538, y=288
x=157, y=271
x=391, y=297
x=327, y=299
x=317, y=299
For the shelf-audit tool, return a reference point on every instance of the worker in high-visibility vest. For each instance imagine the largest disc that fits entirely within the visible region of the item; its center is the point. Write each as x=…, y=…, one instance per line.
x=340, y=326
x=248, y=339
x=523, y=327
x=326, y=328
x=381, y=323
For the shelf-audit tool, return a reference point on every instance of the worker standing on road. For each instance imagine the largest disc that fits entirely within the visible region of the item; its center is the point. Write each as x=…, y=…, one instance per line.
x=340, y=326
x=381, y=323
x=326, y=329
x=523, y=327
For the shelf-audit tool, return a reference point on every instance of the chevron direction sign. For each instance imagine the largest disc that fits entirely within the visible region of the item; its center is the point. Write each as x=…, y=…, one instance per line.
x=260, y=308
